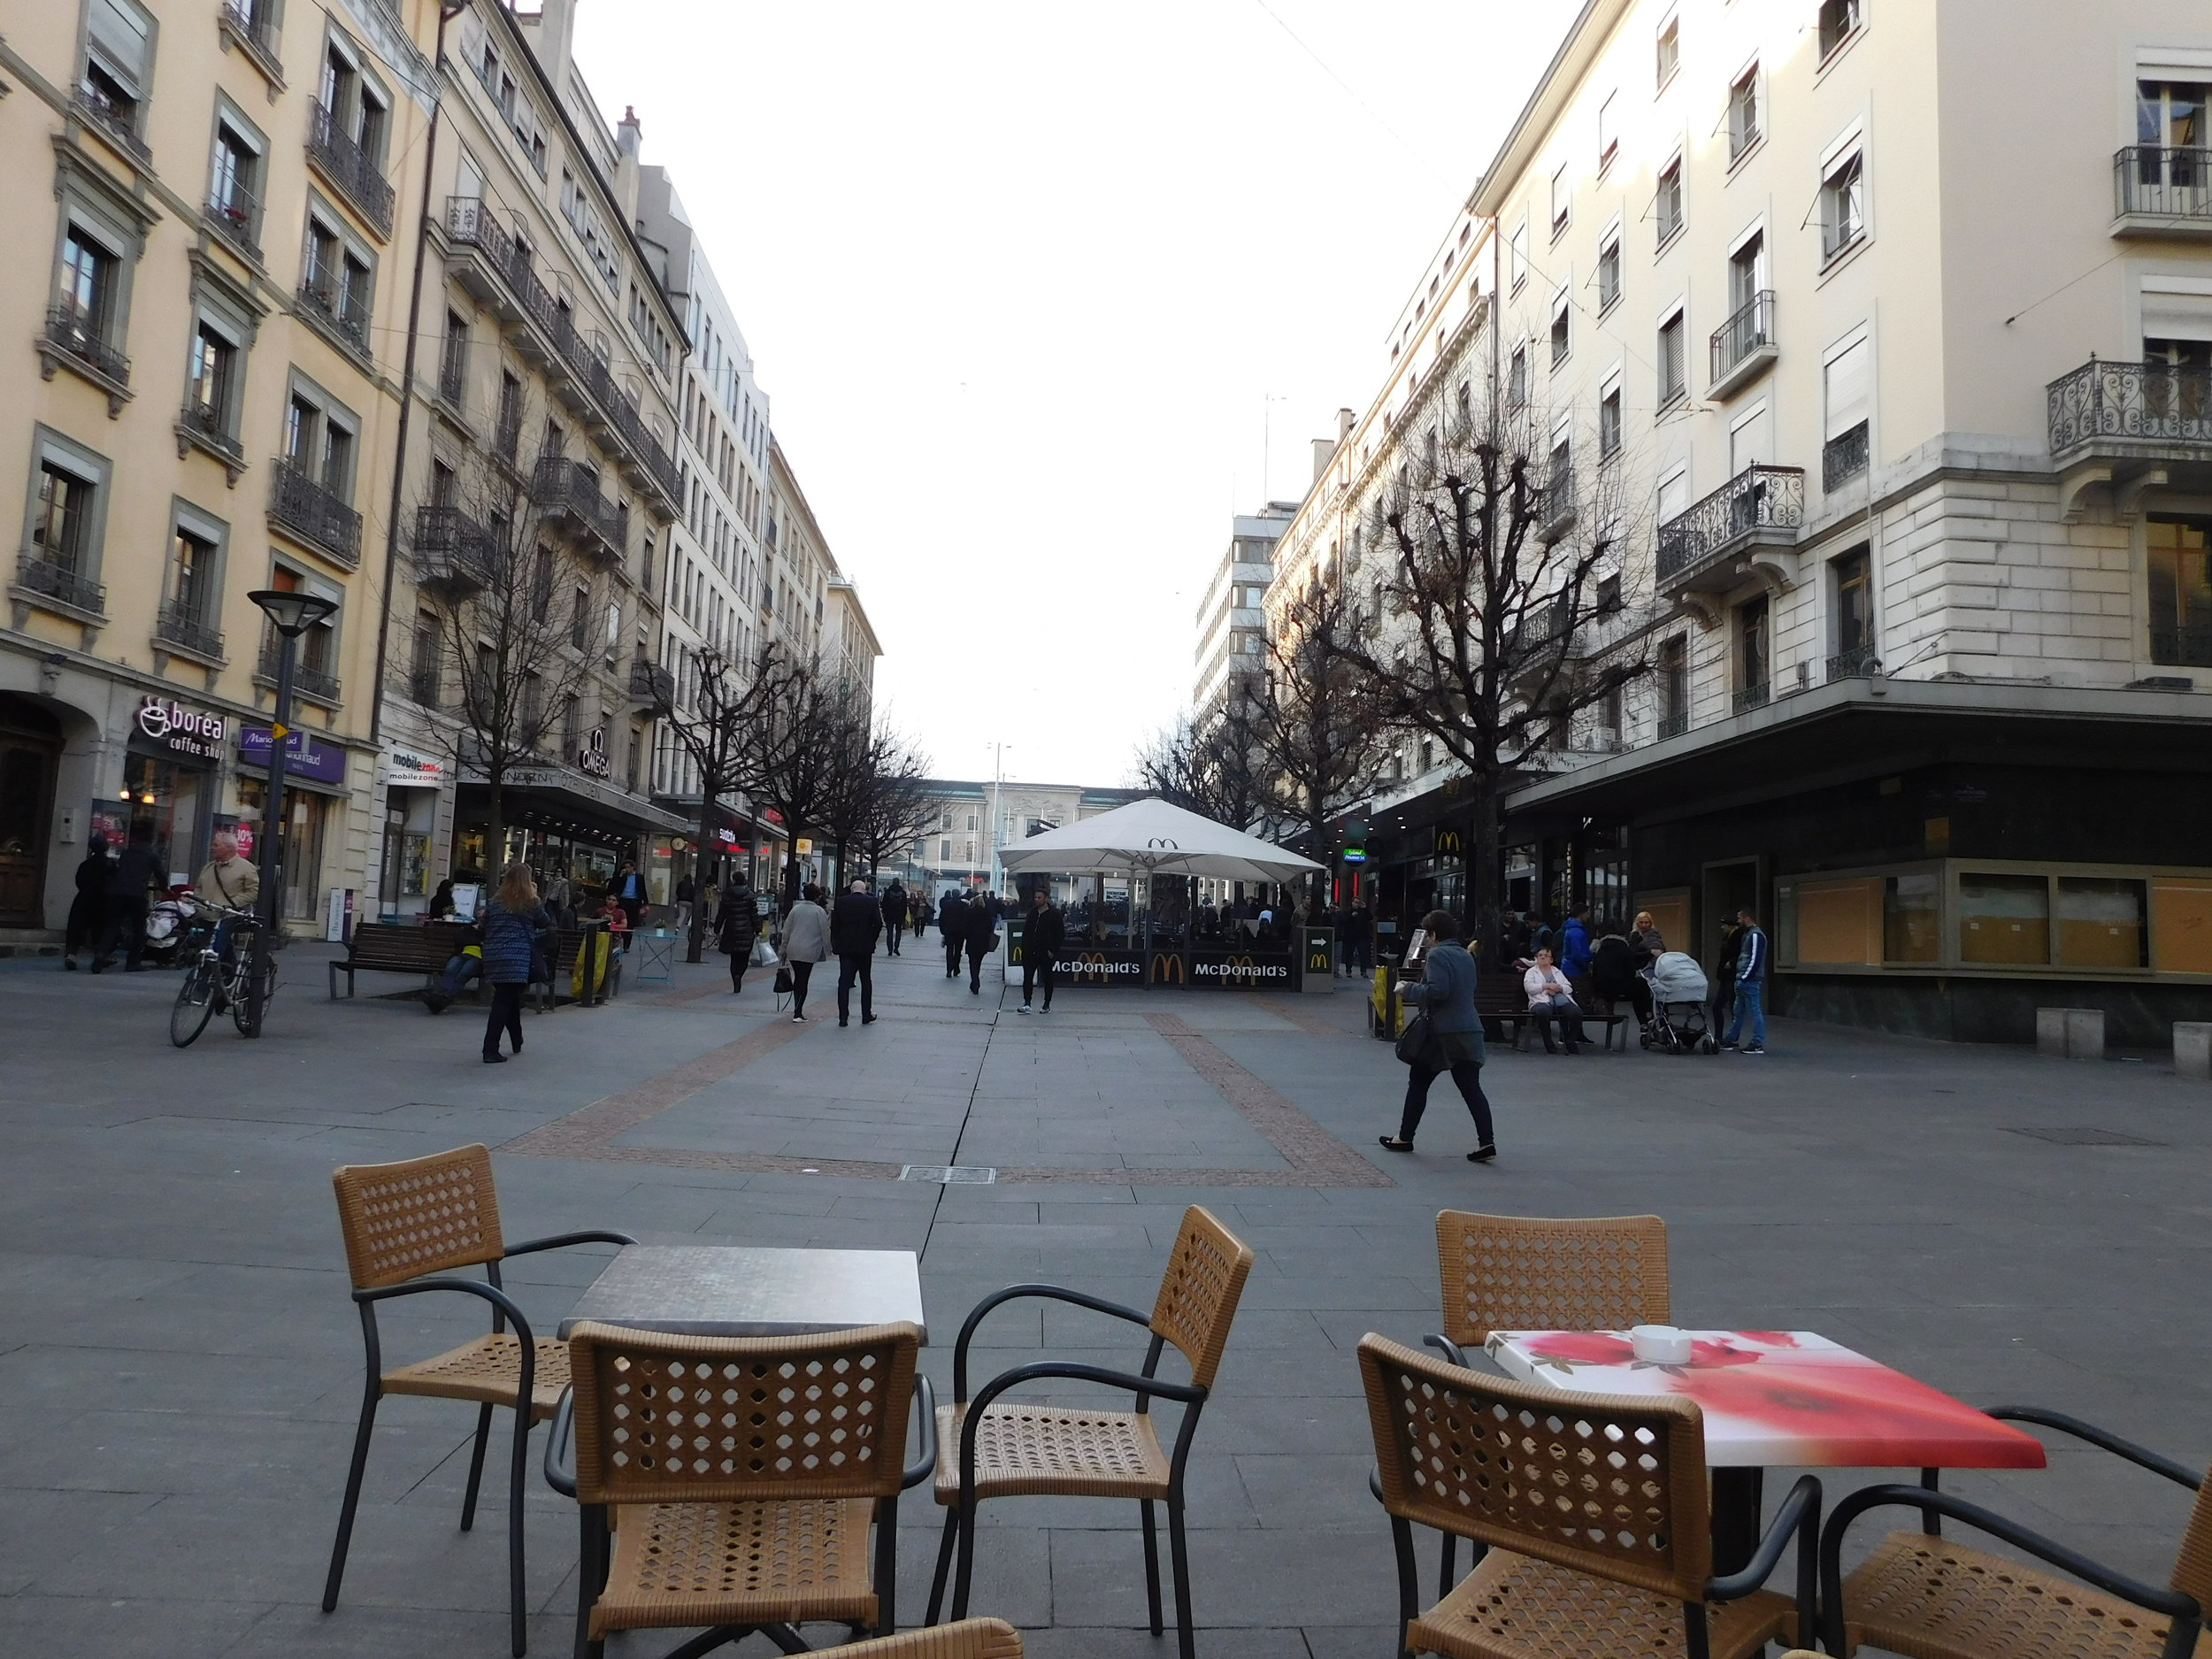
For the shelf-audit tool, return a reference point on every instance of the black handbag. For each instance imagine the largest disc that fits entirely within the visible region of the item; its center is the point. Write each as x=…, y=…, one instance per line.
x=1415, y=1040
x=783, y=981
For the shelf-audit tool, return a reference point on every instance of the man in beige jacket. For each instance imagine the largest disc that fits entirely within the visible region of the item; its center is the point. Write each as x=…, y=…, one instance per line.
x=229, y=881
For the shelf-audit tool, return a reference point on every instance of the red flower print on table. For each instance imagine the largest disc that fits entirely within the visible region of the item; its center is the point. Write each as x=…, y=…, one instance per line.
x=1865, y=1416
x=1583, y=1348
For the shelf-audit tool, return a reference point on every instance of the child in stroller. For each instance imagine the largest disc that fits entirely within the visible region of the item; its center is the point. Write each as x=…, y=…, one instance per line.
x=1677, y=1023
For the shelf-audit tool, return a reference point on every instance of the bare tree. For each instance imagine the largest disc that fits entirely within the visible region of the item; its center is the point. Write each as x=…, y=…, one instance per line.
x=518, y=623
x=900, y=809
x=1209, y=763
x=793, y=751
x=1493, y=616
x=709, y=706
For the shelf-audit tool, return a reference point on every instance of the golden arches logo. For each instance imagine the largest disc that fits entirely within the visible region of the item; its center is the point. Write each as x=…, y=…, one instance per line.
x=1167, y=968
x=1449, y=843
x=1094, y=960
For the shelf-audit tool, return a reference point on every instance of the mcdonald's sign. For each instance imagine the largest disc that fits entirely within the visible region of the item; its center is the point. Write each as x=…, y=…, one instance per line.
x=1100, y=967
x=1239, y=971
x=1168, y=968
x=1321, y=951
x=1451, y=843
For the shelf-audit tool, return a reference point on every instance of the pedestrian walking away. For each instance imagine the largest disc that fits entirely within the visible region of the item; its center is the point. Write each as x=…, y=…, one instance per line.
x=1044, y=930
x=513, y=922
x=894, y=916
x=1550, y=998
x=1446, y=997
x=952, y=932
x=854, y=925
x=686, y=892
x=1751, y=986
x=980, y=932
x=1359, y=940
x=88, y=910
x=735, y=928
x=806, y=941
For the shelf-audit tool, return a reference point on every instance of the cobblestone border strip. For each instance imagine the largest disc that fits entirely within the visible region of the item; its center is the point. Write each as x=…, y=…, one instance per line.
x=1309, y=1022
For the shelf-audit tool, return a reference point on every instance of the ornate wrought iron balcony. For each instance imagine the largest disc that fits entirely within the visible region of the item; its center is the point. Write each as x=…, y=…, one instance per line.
x=350, y=168
x=453, y=552
x=234, y=212
x=318, y=683
x=116, y=119
x=1761, y=506
x=1843, y=457
x=321, y=294
x=567, y=492
x=1862, y=663
x=62, y=583
x=183, y=629
x=79, y=342
x=2150, y=412
x=302, y=504
x=650, y=684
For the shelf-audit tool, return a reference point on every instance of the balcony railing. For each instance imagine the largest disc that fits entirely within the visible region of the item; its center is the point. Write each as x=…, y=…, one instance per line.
x=2127, y=406
x=73, y=333
x=207, y=425
x=318, y=683
x=1749, y=331
x=1554, y=513
x=1757, y=498
x=1673, y=725
x=2164, y=181
x=452, y=550
x=470, y=223
x=570, y=490
x=351, y=168
x=1752, y=697
x=2185, y=647
x=60, y=582
x=321, y=294
x=181, y=627
x=425, y=686
x=1843, y=457
x=1859, y=664
x=115, y=119
x=235, y=213
x=651, y=684
x=301, y=504
x=252, y=23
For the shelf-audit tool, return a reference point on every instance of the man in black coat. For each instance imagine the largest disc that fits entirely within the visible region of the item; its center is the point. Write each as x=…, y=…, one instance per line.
x=1044, y=930
x=952, y=922
x=979, y=928
x=137, y=873
x=88, y=910
x=854, y=926
x=894, y=916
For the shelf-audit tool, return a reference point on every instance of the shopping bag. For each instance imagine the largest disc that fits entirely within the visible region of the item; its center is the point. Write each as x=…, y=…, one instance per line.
x=764, y=954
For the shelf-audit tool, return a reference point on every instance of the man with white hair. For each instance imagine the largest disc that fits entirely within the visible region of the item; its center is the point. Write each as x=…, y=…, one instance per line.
x=229, y=881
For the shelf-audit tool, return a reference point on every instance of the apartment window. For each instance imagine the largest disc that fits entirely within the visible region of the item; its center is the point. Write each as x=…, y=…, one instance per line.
x=234, y=193
x=1666, y=205
x=423, y=659
x=572, y=727
x=1559, y=475
x=1562, y=337
x=191, y=576
x=1562, y=201
x=1674, y=495
x=1608, y=273
x=2180, y=562
x=1743, y=113
x=316, y=665
x=339, y=284
x=1847, y=383
x=118, y=64
x=1674, y=686
x=1609, y=421
x=1842, y=204
x=614, y=633
x=1746, y=270
x=507, y=429
x=1673, y=382
x=1517, y=377
x=1609, y=604
x=1754, y=651
x=211, y=397
x=453, y=363
x=1608, y=136
x=61, y=518
x=579, y=620
x=1517, y=256
x=1852, y=583
x=541, y=579
x=322, y=438
x=357, y=105
x=1670, y=51
x=444, y=484
x=972, y=820
x=1840, y=20
x=86, y=320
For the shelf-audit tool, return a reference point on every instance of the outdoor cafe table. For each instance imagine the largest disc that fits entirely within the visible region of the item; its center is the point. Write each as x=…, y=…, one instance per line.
x=1777, y=1398
x=750, y=1290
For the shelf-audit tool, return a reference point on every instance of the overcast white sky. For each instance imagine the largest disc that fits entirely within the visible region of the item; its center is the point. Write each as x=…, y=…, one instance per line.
x=1030, y=285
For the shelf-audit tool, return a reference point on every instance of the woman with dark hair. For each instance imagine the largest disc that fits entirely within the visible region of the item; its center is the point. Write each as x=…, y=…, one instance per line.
x=1446, y=996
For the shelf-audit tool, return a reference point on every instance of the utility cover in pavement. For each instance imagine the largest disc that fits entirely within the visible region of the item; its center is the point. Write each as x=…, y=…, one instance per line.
x=950, y=1175
x=2088, y=1138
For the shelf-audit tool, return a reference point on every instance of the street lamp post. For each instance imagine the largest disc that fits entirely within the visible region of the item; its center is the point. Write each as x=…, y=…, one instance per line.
x=291, y=614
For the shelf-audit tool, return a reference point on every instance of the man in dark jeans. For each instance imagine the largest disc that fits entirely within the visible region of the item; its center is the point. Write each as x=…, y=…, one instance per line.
x=137, y=873
x=854, y=926
x=1043, y=931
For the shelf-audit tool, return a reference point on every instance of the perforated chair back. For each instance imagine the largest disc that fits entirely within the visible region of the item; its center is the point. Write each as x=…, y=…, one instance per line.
x=422, y=1216
x=1609, y=1485
x=1530, y=1273
x=1200, y=1292
x=700, y=1419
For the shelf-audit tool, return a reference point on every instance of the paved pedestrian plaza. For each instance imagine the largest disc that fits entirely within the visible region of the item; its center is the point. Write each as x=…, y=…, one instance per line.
x=180, y=1364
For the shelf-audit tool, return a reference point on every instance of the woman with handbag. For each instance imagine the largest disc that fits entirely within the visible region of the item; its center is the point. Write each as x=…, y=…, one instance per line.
x=806, y=941
x=736, y=926
x=1445, y=1036
x=512, y=921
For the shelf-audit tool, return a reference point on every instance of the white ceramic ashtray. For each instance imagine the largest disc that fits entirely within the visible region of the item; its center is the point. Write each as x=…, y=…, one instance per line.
x=1661, y=1344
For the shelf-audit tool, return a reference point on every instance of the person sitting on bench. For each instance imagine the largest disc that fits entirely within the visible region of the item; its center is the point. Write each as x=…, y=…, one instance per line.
x=1550, y=997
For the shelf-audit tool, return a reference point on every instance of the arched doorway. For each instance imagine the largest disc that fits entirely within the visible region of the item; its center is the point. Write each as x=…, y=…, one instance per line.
x=30, y=755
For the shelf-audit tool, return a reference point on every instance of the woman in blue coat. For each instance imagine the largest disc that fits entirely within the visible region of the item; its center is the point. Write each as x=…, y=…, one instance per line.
x=1447, y=995
x=511, y=922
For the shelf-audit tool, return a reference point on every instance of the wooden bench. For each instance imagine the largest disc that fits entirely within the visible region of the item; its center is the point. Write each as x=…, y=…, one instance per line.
x=1502, y=1003
x=398, y=948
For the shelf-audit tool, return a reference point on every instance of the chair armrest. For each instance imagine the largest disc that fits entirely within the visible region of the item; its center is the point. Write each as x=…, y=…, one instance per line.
x=1190, y=1394
x=1448, y=1349
x=925, y=1465
x=2141, y=1456
x=2172, y=1603
x=1799, y=1516
x=562, y=1240
x=492, y=1293
x=560, y=1446
x=1053, y=1293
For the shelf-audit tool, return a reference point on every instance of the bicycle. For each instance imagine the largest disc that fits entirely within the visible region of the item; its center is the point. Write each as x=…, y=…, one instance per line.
x=211, y=984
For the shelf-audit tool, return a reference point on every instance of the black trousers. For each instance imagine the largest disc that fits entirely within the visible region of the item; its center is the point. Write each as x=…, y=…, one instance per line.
x=1468, y=1075
x=1036, y=970
x=739, y=960
x=800, y=972
x=87, y=923
x=891, y=932
x=126, y=924
x=506, y=1016
x=849, y=969
x=975, y=967
x=952, y=955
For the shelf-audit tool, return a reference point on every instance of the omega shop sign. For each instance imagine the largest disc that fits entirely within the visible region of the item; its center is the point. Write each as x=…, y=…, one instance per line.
x=187, y=733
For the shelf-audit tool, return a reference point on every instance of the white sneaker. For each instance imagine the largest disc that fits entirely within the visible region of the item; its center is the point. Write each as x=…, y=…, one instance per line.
x=1027, y=1009
x=798, y=1019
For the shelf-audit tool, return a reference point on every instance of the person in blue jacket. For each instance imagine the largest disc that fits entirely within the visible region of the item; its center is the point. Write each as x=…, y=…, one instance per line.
x=1447, y=995
x=1574, y=944
x=512, y=923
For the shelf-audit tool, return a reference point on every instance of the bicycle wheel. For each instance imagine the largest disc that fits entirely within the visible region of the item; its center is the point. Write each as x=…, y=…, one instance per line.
x=195, y=1001
x=241, y=1011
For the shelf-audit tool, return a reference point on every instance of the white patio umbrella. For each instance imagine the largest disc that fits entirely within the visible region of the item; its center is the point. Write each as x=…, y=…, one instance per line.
x=1153, y=838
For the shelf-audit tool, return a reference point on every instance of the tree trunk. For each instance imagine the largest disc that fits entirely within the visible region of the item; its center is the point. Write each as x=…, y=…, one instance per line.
x=1483, y=854
x=495, y=822
x=710, y=793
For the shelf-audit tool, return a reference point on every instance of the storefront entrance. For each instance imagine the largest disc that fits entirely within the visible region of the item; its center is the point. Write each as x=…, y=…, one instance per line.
x=30, y=755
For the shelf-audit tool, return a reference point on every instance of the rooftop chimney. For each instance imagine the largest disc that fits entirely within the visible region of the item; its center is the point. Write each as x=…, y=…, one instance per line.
x=1323, y=452
x=629, y=134
x=1343, y=425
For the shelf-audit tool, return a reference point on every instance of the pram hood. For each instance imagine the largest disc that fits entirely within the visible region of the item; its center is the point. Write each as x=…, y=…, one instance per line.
x=1676, y=978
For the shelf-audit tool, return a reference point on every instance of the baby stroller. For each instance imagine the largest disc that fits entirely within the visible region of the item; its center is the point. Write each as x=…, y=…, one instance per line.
x=1678, y=1023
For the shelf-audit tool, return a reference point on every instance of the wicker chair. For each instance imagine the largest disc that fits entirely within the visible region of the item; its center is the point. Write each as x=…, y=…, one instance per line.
x=1530, y=1273
x=730, y=1482
x=1922, y=1595
x=1594, y=1510
x=1008, y=1450
x=428, y=1217
x=970, y=1638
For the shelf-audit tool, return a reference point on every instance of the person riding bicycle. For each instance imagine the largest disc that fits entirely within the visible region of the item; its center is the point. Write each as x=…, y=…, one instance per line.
x=227, y=882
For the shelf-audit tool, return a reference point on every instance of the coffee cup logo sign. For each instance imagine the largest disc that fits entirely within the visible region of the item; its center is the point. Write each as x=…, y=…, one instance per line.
x=181, y=731
x=592, y=759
